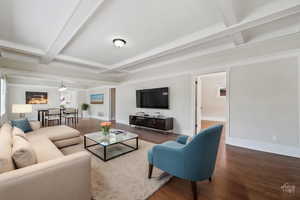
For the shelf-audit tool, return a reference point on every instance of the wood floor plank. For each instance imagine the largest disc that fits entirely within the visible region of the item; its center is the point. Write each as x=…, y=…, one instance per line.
x=240, y=173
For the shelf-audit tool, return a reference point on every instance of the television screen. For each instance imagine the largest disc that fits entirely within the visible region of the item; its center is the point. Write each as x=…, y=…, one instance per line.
x=153, y=98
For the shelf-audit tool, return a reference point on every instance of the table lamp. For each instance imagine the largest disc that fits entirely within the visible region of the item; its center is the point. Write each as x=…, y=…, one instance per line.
x=21, y=109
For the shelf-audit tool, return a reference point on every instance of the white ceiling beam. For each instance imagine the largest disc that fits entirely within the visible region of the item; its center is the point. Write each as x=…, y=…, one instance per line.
x=82, y=12
x=73, y=60
x=10, y=71
x=19, y=56
x=12, y=55
x=280, y=11
x=230, y=18
x=11, y=46
x=289, y=53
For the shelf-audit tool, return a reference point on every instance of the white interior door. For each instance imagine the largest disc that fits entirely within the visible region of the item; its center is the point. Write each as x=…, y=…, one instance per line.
x=198, y=104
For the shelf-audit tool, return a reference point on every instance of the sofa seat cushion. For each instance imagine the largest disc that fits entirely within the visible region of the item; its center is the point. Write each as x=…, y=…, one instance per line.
x=6, y=162
x=45, y=150
x=67, y=142
x=57, y=133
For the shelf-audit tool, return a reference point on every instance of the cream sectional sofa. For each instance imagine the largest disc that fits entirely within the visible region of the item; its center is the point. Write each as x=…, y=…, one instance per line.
x=55, y=176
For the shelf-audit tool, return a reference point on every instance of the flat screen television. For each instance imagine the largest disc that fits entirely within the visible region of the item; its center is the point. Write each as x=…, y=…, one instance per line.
x=153, y=98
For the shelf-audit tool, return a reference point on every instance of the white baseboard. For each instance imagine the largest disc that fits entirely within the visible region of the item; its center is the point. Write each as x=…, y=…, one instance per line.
x=264, y=146
x=122, y=122
x=217, y=119
x=100, y=118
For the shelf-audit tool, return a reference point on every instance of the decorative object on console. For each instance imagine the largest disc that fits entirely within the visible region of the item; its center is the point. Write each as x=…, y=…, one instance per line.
x=159, y=123
x=140, y=113
x=97, y=98
x=157, y=114
x=36, y=97
x=105, y=126
x=21, y=109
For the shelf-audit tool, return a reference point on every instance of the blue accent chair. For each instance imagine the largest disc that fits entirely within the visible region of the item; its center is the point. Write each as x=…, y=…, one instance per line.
x=194, y=161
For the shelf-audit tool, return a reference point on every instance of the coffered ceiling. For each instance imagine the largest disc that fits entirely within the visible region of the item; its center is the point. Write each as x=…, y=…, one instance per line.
x=71, y=40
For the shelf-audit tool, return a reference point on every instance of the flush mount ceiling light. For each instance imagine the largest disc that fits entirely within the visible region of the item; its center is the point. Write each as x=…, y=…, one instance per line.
x=118, y=42
x=62, y=87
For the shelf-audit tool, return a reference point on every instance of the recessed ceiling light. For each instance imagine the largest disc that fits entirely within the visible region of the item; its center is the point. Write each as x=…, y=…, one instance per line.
x=118, y=42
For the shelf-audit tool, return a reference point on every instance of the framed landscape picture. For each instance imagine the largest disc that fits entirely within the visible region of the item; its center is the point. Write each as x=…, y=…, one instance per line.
x=97, y=98
x=36, y=97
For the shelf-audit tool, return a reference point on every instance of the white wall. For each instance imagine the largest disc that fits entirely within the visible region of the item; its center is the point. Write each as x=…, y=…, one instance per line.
x=16, y=95
x=99, y=111
x=264, y=107
x=180, y=99
x=81, y=98
x=213, y=106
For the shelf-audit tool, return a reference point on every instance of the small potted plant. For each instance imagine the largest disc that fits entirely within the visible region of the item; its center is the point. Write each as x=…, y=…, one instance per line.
x=105, y=126
x=84, y=109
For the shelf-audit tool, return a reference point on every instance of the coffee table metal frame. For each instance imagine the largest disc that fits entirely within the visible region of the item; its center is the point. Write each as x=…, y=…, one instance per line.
x=104, y=158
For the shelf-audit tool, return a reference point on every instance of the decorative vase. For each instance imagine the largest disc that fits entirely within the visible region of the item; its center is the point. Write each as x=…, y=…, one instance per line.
x=105, y=126
x=105, y=130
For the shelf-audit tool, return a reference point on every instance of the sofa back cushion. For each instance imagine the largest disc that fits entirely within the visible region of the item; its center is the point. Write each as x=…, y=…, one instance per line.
x=6, y=162
x=23, y=153
x=35, y=125
x=18, y=132
x=22, y=124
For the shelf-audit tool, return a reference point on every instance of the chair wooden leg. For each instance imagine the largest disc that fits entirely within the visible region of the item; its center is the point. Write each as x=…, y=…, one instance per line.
x=150, y=170
x=194, y=189
x=209, y=179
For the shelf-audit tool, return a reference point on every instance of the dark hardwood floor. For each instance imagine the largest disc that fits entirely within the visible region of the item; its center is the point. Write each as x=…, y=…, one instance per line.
x=240, y=173
x=90, y=125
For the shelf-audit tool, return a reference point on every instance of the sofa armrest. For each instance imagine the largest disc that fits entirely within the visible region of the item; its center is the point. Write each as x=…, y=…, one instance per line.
x=35, y=125
x=60, y=179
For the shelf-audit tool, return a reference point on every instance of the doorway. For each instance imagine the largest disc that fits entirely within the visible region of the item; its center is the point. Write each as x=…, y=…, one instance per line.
x=210, y=100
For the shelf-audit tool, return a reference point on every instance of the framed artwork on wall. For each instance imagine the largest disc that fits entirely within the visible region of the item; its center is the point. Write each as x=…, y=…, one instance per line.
x=97, y=98
x=36, y=97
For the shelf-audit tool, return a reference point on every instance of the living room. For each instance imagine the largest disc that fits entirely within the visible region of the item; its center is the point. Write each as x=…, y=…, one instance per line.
x=149, y=100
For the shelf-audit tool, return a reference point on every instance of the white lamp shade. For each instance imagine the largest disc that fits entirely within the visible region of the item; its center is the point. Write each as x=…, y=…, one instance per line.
x=21, y=108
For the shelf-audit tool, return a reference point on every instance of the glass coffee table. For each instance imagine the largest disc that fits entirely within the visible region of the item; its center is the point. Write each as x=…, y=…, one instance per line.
x=107, y=147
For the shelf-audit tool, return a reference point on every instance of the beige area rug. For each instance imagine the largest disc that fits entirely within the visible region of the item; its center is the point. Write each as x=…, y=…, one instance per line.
x=125, y=177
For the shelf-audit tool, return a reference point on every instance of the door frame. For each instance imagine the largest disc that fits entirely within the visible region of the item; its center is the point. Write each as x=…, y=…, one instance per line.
x=110, y=117
x=194, y=98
